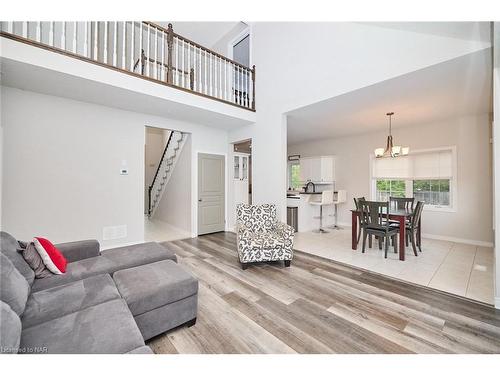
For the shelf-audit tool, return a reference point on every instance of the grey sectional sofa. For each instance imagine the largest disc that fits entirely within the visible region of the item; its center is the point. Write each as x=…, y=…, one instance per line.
x=109, y=302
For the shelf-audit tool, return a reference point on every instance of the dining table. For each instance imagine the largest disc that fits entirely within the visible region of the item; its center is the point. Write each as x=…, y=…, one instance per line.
x=399, y=215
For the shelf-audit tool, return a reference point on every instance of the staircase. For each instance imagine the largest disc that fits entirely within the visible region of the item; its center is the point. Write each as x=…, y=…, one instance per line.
x=169, y=158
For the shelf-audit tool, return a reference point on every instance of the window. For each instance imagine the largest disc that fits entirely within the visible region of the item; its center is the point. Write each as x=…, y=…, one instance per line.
x=294, y=175
x=390, y=188
x=427, y=176
x=433, y=192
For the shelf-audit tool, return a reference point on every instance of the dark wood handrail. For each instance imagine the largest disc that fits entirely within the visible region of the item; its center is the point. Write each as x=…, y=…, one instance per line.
x=197, y=45
x=158, y=170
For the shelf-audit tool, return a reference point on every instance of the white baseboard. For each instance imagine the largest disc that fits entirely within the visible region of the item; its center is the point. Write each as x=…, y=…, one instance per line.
x=442, y=238
x=458, y=240
x=497, y=303
x=104, y=248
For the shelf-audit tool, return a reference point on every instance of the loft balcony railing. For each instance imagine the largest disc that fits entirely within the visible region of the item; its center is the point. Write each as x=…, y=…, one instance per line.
x=145, y=50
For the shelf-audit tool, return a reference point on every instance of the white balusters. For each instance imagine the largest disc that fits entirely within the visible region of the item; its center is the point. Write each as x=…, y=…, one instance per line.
x=225, y=80
x=115, y=44
x=38, y=31
x=140, y=48
x=205, y=62
x=183, y=71
x=162, y=66
x=148, y=51
x=75, y=33
x=155, y=64
x=51, y=33
x=124, y=46
x=10, y=27
x=25, y=30
x=132, y=47
x=86, y=39
x=63, y=35
x=105, y=43
x=176, y=61
x=95, y=40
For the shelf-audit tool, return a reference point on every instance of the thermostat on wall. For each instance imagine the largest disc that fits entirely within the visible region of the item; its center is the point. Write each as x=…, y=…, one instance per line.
x=124, y=168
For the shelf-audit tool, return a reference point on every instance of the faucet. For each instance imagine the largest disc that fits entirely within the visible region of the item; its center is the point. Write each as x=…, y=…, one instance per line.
x=307, y=186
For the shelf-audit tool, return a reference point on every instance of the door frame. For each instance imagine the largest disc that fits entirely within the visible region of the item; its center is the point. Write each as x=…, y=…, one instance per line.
x=194, y=219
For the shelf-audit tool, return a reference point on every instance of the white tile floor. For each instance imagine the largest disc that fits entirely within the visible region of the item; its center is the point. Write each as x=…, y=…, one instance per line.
x=465, y=270
x=159, y=231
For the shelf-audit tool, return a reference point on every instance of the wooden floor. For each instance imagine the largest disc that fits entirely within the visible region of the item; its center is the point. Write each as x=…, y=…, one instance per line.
x=318, y=306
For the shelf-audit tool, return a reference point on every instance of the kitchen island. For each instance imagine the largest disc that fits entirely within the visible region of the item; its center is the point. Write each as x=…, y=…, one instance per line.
x=308, y=214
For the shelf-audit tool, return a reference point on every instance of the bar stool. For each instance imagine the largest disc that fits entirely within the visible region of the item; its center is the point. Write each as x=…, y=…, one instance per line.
x=341, y=198
x=326, y=200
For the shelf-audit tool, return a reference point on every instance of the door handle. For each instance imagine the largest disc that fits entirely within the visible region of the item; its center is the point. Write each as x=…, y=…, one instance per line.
x=199, y=200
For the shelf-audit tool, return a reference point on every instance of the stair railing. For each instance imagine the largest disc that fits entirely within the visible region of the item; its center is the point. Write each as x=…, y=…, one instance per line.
x=150, y=189
x=164, y=56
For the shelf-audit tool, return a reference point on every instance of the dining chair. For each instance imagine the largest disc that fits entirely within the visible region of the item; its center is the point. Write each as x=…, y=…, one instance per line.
x=358, y=208
x=412, y=228
x=373, y=223
x=400, y=203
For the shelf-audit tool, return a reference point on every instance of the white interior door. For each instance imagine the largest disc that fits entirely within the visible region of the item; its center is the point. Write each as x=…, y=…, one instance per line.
x=211, y=193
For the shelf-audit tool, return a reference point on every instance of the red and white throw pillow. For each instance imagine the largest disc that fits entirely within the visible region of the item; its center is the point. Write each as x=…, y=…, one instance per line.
x=51, y=257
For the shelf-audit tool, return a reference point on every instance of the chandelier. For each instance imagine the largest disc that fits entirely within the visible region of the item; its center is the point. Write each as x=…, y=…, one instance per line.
x=390, y=150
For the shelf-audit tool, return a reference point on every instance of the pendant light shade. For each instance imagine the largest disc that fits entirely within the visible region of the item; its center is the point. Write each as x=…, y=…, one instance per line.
x=390, y=150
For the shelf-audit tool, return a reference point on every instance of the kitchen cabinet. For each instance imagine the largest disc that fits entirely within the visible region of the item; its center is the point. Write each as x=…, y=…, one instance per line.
x=318, y=169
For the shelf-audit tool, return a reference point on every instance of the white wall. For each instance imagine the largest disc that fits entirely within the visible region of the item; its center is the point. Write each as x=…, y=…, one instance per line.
x=175, y=205
x=319, y=61
x=61, y=166
x=472, y=221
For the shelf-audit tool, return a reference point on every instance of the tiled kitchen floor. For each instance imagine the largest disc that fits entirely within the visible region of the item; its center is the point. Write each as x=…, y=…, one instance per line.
x=465, y=270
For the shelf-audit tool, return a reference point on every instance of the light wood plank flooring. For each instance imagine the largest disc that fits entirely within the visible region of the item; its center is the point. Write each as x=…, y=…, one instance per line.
x=318, y=306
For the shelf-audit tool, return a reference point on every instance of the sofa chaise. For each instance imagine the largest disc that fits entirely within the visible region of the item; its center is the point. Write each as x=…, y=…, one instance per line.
x=109, y=302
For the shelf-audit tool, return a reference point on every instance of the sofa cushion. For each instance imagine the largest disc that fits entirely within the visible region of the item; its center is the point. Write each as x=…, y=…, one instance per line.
x=51, y=256
x=109, y=262
x=148, y=287
x=62, y=300
x=34, y=260
x=8, y=247
x=10, y=329
x=14, y=289
x=105, y=328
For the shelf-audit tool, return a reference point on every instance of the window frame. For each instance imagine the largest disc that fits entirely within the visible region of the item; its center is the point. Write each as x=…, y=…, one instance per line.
x=289, y=171
x=409, y=182
x=247, y=31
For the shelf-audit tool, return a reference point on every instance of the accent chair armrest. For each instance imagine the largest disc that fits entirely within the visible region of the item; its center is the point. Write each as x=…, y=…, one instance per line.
x=78, y=250
x=285, y=230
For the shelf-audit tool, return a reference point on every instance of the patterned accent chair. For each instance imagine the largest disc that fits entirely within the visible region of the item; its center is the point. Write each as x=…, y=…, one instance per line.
x=260, y=237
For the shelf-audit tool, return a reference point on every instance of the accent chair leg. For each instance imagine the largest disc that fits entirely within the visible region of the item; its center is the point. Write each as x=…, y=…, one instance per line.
x=244, y=266
x=287, y=263
x=191, y=323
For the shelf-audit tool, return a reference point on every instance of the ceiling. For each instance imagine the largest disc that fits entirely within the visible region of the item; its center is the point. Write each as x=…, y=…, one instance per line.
x=204, y=33
x=472, y=31
x=454, y=88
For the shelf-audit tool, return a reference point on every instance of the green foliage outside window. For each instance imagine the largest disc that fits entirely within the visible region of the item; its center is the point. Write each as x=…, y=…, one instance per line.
x=295, y=176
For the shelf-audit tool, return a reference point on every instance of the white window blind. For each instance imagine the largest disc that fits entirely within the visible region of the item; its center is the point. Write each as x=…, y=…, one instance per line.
x=420, y=165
